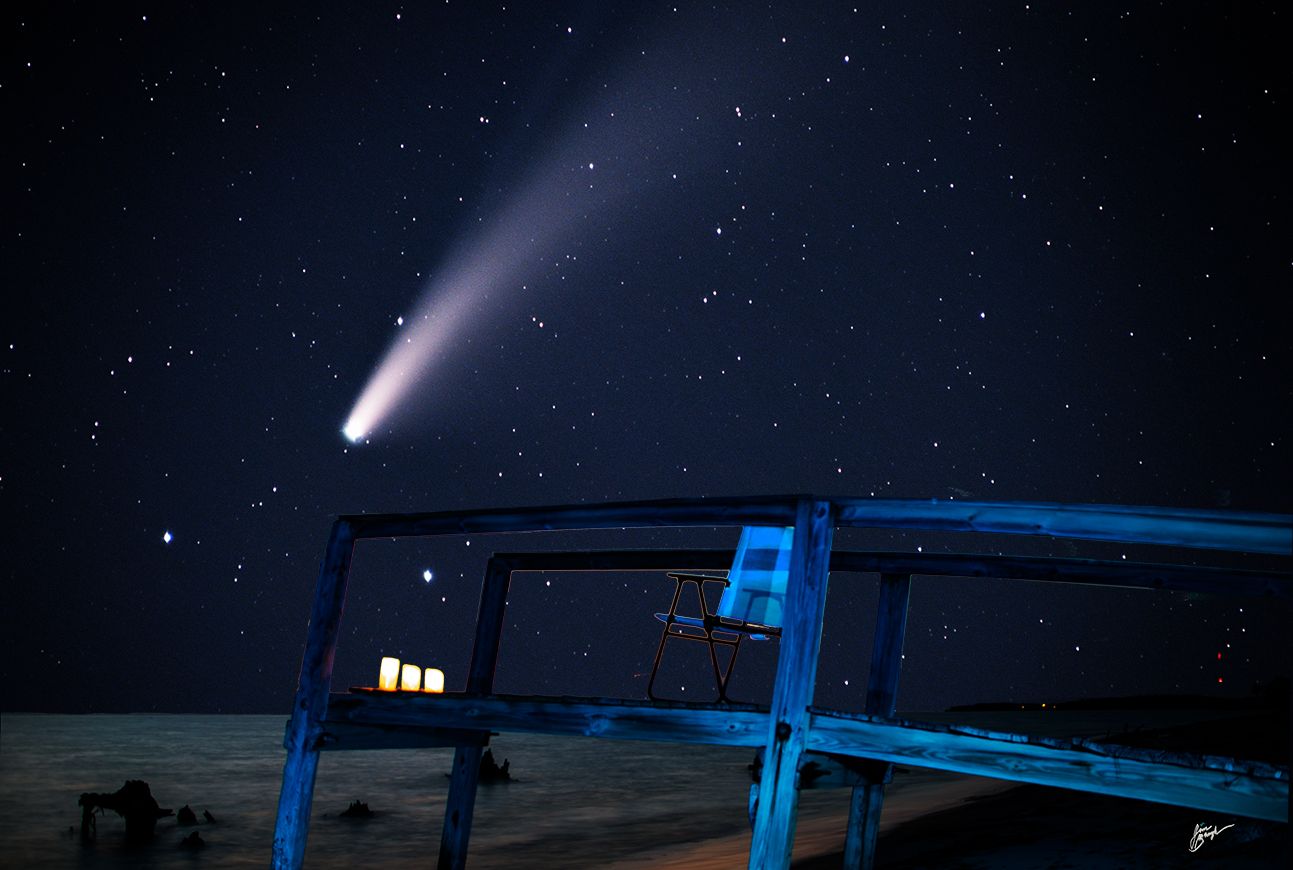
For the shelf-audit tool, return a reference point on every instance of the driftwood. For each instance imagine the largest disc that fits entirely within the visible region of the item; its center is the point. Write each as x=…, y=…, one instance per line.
x=358, y=810
x=490, y=771
x=133, y=801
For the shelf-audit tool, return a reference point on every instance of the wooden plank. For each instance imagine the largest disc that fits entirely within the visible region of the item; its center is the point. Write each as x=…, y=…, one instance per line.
x=792, y=693
x=670, y=722
x=456, y=832
x=886, y=650
x=620, y=560
x=489, y=626
x=1127, y=575
x=455, y=835
x=292, y=825
x=342, y=736
x=760, y=510
x=867, y=799
x=1212, y=529
x=1179, y=527
x=1249, y=789
x=1207, y=782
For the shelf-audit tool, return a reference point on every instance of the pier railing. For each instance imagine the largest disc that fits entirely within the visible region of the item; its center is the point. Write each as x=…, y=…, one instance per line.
x=858, y=748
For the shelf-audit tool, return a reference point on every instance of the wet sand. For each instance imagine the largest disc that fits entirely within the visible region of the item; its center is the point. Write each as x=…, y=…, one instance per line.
x=822, y=822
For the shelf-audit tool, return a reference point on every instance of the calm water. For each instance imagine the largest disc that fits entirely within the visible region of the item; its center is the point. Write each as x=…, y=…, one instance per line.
x=577, y=803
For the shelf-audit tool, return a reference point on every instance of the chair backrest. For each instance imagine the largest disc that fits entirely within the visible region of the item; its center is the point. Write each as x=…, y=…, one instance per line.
x=756, y=585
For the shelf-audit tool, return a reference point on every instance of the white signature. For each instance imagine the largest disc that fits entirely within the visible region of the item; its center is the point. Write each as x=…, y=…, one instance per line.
x=1205, y=832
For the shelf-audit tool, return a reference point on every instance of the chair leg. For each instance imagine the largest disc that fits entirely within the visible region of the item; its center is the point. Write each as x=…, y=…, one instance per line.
x=721, y=675
x=664, y=636
x=731, y=666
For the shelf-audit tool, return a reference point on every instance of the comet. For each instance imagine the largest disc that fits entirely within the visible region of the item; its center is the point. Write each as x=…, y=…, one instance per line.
x=617, y=155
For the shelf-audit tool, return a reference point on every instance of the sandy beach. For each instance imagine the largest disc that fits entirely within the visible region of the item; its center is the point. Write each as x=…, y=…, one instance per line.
x=822, y=823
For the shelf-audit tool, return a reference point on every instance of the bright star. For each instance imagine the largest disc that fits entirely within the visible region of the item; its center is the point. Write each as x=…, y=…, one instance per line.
x=166, y=537
x=427, y=575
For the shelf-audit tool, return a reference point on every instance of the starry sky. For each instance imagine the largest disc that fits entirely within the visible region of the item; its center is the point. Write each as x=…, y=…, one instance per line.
x=1030, y=251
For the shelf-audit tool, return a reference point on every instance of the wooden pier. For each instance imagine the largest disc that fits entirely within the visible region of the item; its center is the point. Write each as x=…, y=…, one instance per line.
x=855, y=750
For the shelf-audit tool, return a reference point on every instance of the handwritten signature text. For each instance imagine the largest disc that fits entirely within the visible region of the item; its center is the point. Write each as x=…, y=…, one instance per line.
x=1203, y=833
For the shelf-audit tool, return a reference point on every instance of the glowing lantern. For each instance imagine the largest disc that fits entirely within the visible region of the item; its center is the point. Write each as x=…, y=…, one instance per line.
x=434, y=681
x=411, y=678
x=388, y=677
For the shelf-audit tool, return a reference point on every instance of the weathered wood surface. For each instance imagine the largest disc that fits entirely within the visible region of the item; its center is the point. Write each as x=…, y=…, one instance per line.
x=620, y=560
x=886, y=648
x=1239, y=531
x=342, y=736
x=456, y=832
x=1225, y=785
x=792, y=692
x=867, y=800
x=1142, y=575
x=460, y=805
x=1129, y=575
x=292, y=824
x=1209, y=529
x=489, y=627
x=1093, y=572
x=667, y=721
x=750, y=511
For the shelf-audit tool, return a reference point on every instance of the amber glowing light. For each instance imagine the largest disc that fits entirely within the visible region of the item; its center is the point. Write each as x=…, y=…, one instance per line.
x=388, y=677
x=434, y=681
x=410, y=678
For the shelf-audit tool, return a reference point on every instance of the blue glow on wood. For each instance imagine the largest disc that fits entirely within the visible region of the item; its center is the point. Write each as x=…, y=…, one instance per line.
x=792, y=694
x=790, y=728
x=1180, y=527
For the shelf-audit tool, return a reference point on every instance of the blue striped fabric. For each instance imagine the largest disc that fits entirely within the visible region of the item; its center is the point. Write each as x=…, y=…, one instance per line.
x=757, y=583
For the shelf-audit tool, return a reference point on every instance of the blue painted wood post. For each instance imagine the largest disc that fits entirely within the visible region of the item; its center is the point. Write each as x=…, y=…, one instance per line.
x=881, y=696
x=459, y=807
x=311, y=705
x=801, y=636
x=461, y=803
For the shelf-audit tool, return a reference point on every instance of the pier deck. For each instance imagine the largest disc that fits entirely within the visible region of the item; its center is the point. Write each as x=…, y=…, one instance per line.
x=858, y=748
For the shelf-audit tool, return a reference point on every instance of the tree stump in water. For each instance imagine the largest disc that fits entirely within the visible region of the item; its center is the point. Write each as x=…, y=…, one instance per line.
x=133, y=801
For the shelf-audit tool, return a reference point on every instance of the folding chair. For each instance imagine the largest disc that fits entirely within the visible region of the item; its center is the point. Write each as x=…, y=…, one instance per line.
x=750, y=607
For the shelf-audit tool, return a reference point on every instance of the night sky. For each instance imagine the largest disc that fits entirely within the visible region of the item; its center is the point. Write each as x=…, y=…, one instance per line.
x=995, y=252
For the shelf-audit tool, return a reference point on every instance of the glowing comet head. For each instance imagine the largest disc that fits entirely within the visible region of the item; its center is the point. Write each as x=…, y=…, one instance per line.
x=420, y=345
x=353, y=430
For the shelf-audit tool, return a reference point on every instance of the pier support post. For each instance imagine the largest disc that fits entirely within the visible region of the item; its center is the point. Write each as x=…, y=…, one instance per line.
x=801, y=636
x=881, y=696
x=461, y=803
x=459, y=808
x=305, y=727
